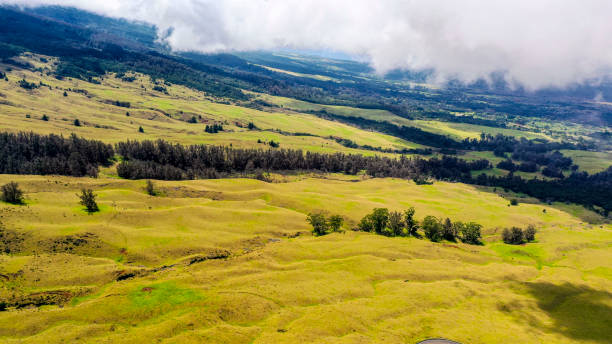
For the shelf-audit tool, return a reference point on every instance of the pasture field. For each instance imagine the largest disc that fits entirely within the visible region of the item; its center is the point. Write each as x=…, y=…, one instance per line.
x=233, y=261
x=458, y=131
x=162, y=115
x=591, y=162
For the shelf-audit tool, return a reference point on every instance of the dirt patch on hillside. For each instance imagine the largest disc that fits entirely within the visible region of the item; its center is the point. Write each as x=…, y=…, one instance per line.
x=11, y=242
x=88, y=244
x=42, y=298
x=185, y=192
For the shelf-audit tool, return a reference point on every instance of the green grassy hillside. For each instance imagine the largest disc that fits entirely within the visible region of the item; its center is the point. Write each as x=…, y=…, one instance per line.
x=232, y=260
x=162, y=115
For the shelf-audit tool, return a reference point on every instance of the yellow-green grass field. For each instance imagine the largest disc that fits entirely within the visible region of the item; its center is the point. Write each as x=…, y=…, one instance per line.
x=232, y=261
x=312, y=76
x=162, y=115
x=457, y=131
x=591, y=162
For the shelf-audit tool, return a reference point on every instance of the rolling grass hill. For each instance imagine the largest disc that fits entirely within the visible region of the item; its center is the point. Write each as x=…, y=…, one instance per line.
x=162, y=114
x=233, y=261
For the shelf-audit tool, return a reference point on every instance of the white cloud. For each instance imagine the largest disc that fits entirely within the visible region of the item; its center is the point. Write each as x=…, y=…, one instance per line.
x=536, y=43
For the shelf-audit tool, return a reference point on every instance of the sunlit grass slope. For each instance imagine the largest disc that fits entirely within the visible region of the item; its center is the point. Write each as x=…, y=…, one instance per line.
x=458, y=131
x=276, y=286
x=162, y=115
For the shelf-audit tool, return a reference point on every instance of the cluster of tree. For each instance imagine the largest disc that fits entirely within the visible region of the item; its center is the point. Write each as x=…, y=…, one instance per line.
x=436, y=229
x=213, y=129
x=517, y=236
x=11, y=193
x=592, y=191
x=531, y=153
x=383, y=222
x=352, y=144
x=23, y=83
x=159, y=88
x=29, y=153
x=322, y=225
x=121, y=103
x=163, y=159
x=411, y=134
x=446, y=116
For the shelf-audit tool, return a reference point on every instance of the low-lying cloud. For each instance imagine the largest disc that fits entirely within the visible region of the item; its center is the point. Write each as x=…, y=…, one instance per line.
x=534, y=43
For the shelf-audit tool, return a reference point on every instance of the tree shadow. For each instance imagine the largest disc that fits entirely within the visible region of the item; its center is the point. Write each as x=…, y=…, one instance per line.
x=578, y=312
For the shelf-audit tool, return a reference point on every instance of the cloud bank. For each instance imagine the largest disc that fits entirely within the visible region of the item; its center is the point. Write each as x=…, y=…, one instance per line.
x=533, y=43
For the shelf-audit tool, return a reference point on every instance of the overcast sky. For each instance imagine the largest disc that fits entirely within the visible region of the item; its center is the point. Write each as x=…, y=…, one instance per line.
x=537, y=43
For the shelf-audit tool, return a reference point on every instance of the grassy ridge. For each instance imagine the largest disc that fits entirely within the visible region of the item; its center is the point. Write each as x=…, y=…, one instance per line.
x=275, y=287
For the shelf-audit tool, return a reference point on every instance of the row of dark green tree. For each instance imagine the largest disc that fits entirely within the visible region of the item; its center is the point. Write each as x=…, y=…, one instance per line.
x=404, y=224
x=29, y=153
x=382, y=221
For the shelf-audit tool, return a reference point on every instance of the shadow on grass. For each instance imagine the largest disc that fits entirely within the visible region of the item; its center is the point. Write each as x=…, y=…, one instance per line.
x=578, y=312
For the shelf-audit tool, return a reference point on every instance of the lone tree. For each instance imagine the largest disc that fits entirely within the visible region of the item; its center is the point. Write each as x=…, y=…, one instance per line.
x=140, y=130
x=45, y=118
x=318, y=222
x=77, y=123
x=11, y=193
x=88, y=199
x=513, y=236
x=335, y=222
x=411, y=224
x=150, y=187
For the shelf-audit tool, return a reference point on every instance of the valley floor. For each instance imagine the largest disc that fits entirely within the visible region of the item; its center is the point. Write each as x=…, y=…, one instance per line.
x=233, y=261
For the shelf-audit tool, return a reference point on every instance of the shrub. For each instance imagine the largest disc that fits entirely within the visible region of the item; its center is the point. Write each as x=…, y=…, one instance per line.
x=88, y=199
x=514, y=201
x=77, y=123
x=65, y=94
x=530, y=233
x=513, y=236
x=150, y=188
x=140, y=130
x=11, y=193
x=422, y=180
x=45, y=118
x=318, y=223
